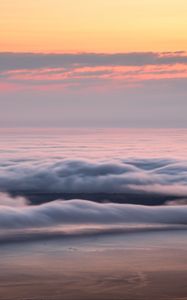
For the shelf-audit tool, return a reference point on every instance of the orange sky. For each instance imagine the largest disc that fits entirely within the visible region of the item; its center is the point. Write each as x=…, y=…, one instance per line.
x=93, y=26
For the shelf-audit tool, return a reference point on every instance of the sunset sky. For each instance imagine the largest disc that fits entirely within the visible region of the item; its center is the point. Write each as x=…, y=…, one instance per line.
x=93, y=26
x=93, y=63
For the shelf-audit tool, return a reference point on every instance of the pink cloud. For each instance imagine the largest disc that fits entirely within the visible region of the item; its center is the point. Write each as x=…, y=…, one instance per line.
x=83, y=71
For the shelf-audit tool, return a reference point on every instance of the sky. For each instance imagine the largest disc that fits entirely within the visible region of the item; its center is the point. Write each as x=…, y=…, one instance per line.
x=109, y=63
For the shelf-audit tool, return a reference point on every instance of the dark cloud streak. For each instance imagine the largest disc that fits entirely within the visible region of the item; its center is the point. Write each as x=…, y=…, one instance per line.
x=20, y=61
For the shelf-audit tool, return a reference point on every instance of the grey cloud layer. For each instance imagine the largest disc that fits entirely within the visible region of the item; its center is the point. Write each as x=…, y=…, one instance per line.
x=159, y=176
x=20, y=61
x=82, y=212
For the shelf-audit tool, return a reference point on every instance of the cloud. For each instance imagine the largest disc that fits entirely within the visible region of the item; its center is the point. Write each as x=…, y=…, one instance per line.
x=6, y=200
x=131, y=177
x=83, y=212
x=20, y=61
x=177, y=202
x=89, y=69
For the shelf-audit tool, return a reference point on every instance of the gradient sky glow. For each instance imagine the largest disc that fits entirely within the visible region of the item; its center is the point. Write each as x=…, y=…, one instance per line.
x=93, y=63
x=93, y=26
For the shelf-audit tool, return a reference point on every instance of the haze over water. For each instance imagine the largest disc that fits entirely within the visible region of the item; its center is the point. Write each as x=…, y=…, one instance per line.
x=98, y=144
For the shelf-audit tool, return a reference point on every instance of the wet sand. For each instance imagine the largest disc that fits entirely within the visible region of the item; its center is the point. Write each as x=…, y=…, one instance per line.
x=138, y=266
